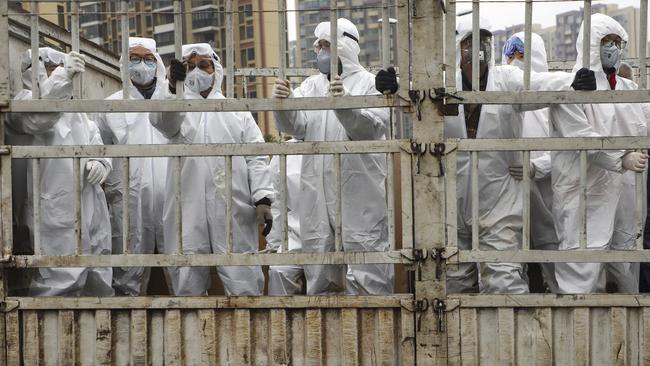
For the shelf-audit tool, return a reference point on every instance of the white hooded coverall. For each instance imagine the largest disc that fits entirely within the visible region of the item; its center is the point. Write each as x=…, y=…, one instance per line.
x=611, y=196
x=57, y=190
x=146, y=180
x=204, y=191
x=288, y=279
x=363, y=192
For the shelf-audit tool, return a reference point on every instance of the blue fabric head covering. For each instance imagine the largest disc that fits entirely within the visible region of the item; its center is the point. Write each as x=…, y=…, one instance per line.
x=513, y=44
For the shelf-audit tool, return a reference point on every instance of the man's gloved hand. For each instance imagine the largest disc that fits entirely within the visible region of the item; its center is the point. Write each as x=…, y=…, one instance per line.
x=177, y=71
x=585, y=79
x=635, y=161
x=517, y=171
x=74, y=63
x=386, y=81
x=336, y=87
x=263, y=215
x=97, y=172
x=281, y=89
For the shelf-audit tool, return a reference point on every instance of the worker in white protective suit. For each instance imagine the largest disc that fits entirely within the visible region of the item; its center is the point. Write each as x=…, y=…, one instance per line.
x=363, y=192
x=286, y=279
x=611, y=197
x=146, y=175
x=536, y=124
x=203, y=181
x=500, y=203
x=57, y=214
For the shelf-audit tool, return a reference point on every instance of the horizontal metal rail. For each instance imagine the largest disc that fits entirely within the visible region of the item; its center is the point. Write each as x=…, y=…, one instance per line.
x=207, y=302
x=550, y=143
x=206, y=105
x=549, y=256
x=134, y=151
x=551, y=97
x=550, y=300
x=204, y=260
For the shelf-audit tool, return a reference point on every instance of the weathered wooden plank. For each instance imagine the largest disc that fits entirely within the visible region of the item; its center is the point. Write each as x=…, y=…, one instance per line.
x=581, y=336
x=191, y=341
x=368, y=335
x=350, y=336
x=634, y=336
x=332, y=329
x=407, y=337
x=488, y=341
x=49, y=337
x=618, y=319
x=30, y=346
x=645, y=339
x=173, y=341
x=259, y=330
x=278, y=339
x=314, y=339
x=544, y=339
x=453, y=333
x=13, y=338
x=208, y=345
x=386, y=337
x=563, y=337
x=469, y=337
x=298, y=338
x=138, y=335
x=506, y=319
x=225, y=326
x=242, y=322
x=601, y=351
x=120, y=339
x=526, y=332
x=103, y=337
x=85, y=331
x=66, y=337
x=156, y=339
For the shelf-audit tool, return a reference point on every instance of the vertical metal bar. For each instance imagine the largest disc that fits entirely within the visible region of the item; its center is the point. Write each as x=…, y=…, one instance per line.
x=36, y=204
x=640, y=199
x=229, y=203
x=282, y=33
x=586, y=31
x=452, y=199
x=450, y=46
x=583, y=199
x=178, y=203
x=74, y=43
x=403, y=44
x=178, y=40
x=334, y=52
x=643, y=39
x=230, y=52
x=5, y=93
x=7, y=227
x=476, y=43
x=526, y=198
x=126, y=173
x=528, y=36
x=385, y=34
x=337, y=172
x=124, y=27
x=283, y=203
x=390, y=197
x=36, y=94
x=475, y=199
x=76, y=176
x=244, y=82
x=406, y=184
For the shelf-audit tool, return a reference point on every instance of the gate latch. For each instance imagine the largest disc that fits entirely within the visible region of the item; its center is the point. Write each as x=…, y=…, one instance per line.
x=438, y=255
x=420, y=306
x=439, y=307
x=419, y=256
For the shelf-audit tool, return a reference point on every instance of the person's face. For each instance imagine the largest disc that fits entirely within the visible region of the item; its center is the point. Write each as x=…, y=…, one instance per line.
x=323, y=45
x=140, y=54
x=203, y=62
x=49, y=68
x=516, y=56
x=625, y=72
x=466, y=55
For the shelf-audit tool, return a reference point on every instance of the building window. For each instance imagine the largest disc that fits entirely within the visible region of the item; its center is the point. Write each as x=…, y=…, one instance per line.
x=164, y=39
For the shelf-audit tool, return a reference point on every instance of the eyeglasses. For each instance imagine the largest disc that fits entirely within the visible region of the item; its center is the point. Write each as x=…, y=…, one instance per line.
x=149, y=60
x=614, y=42
x=202, y=65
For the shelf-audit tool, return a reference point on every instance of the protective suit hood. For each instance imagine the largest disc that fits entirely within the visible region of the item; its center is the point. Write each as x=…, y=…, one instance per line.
x=205, y=49
x=601, y=26
x=45, y=53
x=348, y=49
x=464, y=30
x=149, y=44
x=538, y=51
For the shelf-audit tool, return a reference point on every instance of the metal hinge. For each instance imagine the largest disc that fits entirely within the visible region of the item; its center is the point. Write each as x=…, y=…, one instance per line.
x=439, y=97
x=439, y=306
x=7, y=306
x=5, y=150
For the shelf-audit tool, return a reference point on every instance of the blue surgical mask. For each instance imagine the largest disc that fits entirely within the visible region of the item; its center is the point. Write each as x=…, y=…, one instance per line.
x=610, y=56
x=323, y=61
x=141, y=73
x=517, y=63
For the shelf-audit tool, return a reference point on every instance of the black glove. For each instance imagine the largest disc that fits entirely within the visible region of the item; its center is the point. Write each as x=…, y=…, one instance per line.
x=177, y=72
x=386, y=81
x=585, y=79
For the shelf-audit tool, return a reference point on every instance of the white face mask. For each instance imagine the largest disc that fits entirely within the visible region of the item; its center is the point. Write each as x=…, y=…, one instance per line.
x=610, y=57
x=517, y=63
x=198, y=80
x=141, y=73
